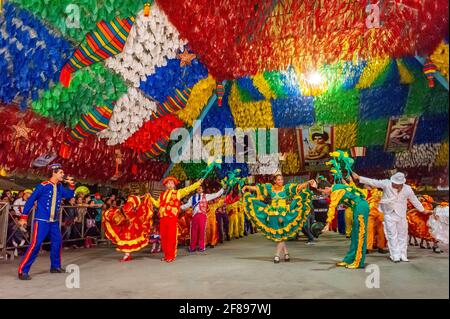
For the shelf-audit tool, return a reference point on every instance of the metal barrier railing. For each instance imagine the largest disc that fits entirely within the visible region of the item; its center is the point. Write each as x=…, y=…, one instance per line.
x=73, y=223
x=4, y=208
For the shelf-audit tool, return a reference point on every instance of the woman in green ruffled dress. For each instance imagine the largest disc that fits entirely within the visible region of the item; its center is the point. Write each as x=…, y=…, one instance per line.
x=287, y=212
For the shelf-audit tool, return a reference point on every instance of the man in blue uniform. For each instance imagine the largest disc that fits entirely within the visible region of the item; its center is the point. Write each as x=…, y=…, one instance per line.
x=46, y=220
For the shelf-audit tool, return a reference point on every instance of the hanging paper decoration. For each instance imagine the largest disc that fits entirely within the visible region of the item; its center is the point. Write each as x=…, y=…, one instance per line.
x=89, y=124
x=194, y=170
x=440, y=59
x=220, y=117
x=383, y=101
x=442, y=156
x=339, y=107
x=250, y=115
x=155, y=149
x=429, y=69
x=257, y=35
x=293, y=111
x=85, y=161
x=373, y=69
x=21, y=134
x=432, y=129
x=351, y=73
x=178, y=172
x=134, y=169
x=247, y=91
x=291, y=164
x=30, y=56
x=422, y=155
x=220, y=91
x=106, y=40
x=287, y=140
x=89, y=87
x=406, y=77
x=261, y=84
x=145, y=139
x=390, y=75
x=151, y=42
x=372, y=132
x=419, y=95
x=198, y=99
x=185, y=58
x=437, y=102
x=74, y=19
x=167, y=79
x=375, y=159
x=173, y=103
x=345, y=136
x=130, y=112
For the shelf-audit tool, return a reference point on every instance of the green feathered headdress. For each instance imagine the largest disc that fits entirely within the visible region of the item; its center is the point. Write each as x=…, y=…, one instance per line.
x=341, y=165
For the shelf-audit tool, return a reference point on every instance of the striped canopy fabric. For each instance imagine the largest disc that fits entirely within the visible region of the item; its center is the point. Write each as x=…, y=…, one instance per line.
x=106, y=40
x=91, y=123
x=156, y=149
x=173, y=103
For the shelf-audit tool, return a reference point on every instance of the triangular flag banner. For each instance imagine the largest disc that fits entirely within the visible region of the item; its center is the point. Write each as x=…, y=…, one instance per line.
x=106, y=40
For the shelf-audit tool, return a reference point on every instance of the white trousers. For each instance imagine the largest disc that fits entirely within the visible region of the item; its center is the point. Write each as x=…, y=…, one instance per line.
x=396, y=230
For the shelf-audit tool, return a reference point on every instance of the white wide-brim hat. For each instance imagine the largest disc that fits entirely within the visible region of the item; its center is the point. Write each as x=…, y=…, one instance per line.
x=398, y=178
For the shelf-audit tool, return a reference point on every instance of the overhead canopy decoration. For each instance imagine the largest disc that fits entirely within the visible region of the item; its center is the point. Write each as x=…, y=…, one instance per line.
x=249, y=36
x=105, y=41
x=247, y=64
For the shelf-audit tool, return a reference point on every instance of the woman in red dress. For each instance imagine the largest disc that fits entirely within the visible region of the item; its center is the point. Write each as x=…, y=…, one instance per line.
x=129, y=228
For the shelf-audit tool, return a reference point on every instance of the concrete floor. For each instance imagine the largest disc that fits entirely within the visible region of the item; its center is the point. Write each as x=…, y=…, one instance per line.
x=237, y=269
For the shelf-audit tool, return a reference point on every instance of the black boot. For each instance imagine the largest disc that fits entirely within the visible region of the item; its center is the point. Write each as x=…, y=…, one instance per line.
x=57, y=270
x=24, y=276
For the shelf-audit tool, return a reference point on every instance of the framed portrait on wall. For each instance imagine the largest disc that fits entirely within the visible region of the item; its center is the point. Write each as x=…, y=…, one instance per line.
x=400, y=134
x=315, y=145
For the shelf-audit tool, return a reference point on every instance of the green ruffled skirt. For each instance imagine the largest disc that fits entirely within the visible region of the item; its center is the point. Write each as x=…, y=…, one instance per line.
x=279, y=221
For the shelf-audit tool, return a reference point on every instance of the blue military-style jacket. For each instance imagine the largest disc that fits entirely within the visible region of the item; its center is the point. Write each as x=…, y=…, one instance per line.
x=48, y=197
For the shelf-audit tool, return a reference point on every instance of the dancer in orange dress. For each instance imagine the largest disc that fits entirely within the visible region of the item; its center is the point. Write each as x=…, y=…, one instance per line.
x=129, y=228
x=375, y=228
x=418, y=223
x=184, y=226
x=169, y=208
x=212, y=230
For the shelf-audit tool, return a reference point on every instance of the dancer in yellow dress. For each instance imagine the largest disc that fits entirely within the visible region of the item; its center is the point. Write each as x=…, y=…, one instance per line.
x=280, y=220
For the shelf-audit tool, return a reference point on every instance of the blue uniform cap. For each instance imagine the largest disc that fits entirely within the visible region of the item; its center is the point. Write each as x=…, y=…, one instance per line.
x=55, y=166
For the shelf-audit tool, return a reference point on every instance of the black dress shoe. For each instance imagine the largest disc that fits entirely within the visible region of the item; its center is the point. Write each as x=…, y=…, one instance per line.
x=382, y=251
x=57, y=270
x=211, y=246
x=24, y=276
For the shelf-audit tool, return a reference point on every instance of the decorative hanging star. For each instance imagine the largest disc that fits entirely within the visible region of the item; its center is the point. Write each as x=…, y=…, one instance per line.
x=186, y=58
x=21, y=130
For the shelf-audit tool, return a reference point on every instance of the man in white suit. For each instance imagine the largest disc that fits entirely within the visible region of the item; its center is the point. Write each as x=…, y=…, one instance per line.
x=393, y=204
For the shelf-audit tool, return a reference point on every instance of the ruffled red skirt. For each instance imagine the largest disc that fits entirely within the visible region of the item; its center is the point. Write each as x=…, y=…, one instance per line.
x=129, y=232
